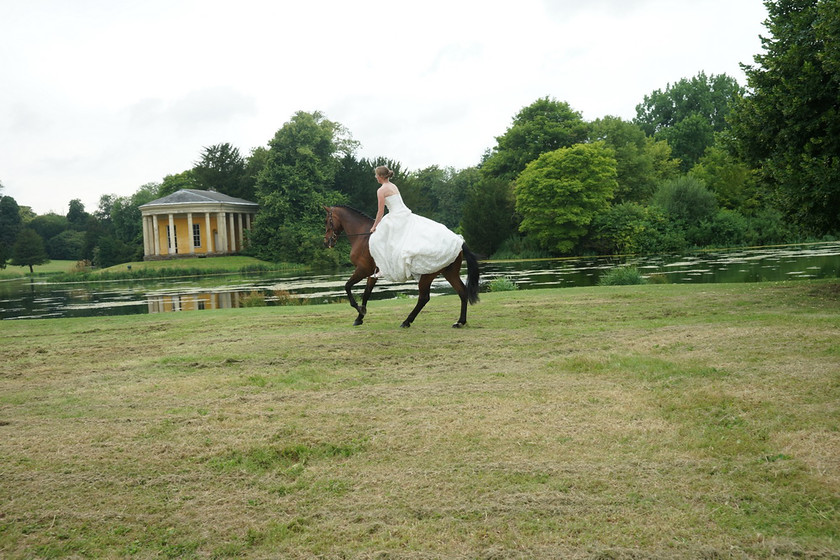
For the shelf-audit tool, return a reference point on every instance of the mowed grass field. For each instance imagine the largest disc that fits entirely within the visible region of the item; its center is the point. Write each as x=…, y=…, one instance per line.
x=661, y=421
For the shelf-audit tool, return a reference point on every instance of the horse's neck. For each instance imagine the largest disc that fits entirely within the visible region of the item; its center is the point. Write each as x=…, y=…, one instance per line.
x=355, y=223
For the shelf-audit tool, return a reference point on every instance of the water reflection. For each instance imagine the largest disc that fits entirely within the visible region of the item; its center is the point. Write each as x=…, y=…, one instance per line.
x=40, y=298
x=195, y=302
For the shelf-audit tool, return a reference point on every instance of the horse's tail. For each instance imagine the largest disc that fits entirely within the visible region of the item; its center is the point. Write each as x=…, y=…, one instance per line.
x=472, y=274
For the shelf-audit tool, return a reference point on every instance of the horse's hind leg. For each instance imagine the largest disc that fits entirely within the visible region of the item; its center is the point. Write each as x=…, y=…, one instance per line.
x=453, y=276
x=424, y=288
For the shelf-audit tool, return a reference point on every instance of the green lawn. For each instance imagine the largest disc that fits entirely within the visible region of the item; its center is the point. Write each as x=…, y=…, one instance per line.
x=51, y=267
x=233, y=263
x=651, y=421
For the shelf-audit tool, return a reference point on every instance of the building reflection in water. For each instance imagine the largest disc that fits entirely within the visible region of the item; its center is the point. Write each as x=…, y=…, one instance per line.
x=195, y=302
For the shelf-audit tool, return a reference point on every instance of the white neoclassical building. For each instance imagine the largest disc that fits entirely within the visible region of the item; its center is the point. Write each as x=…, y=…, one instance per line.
x=191, y=223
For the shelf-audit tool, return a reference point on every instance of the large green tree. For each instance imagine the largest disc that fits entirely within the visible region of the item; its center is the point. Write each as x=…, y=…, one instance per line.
x=223, y=169
x=689, y=113
x=67, y=245
x=789, y=123
x=175, y=182
x=29, y=250
x=297, y=180
x=641, y=162
x=560, y=193
x=544, y=126
x=733, y=182
x=49, y=225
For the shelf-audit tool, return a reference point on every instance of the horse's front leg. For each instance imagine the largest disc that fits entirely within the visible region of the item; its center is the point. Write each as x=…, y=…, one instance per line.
x=348, y=287
x=371, y=282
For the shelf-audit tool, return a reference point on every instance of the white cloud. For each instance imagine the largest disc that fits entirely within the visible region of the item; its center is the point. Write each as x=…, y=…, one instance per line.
x=101, y=97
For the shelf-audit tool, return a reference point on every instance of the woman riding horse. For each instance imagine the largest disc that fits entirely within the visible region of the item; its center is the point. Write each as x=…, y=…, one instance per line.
x=357, y=227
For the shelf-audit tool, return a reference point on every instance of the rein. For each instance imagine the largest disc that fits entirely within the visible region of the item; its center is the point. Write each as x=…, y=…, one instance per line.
x=334, y=235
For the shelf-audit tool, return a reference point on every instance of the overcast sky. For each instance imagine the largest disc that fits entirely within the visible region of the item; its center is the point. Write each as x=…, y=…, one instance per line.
x=102, y=96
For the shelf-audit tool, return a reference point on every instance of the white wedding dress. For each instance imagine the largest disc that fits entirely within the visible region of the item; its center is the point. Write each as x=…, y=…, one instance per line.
x=406, y=245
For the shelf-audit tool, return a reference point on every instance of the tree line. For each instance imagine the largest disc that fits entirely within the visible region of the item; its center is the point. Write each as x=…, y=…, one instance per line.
x=705, y=162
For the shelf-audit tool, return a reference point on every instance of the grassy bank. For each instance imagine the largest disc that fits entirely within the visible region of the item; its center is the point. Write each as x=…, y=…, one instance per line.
x=141, y=269
x=232, y=263
x=623, y=422
x=52, y=267
x=181, y=268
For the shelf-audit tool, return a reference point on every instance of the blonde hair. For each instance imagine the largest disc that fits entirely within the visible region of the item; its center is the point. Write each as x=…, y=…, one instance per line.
x=383, y=171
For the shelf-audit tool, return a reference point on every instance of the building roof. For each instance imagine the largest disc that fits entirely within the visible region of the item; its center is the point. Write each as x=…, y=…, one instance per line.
x=193, y=196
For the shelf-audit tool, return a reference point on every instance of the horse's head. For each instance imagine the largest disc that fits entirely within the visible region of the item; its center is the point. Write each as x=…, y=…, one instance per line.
x=333, y=227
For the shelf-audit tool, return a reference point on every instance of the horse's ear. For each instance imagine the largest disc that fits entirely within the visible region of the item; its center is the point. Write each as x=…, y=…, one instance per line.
x=327, y=208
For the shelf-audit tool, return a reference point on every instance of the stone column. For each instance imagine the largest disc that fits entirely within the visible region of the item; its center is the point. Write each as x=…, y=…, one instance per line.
x=172, y=244
x=239, y=227
x=208, y=245
x=221, y=224
x=232, y=230
x=156, y=233
x=190, y=233
x=146, y=236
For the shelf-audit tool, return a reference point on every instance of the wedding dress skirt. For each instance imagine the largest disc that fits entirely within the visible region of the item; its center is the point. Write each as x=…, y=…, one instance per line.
x=406, y=245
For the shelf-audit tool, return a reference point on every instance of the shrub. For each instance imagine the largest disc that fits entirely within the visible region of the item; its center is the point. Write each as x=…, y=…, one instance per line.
x=621, y=276
x=727, y=228
x=686, y=199
x=253, y=299
x=767, y=227
x=284, y=297
x=502, y=284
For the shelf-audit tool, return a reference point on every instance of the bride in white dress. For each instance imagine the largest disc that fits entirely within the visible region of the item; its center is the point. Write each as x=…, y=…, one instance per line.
x=403, y=244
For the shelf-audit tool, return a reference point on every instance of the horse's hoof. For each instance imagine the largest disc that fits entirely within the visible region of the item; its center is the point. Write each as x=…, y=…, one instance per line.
x=405, y=325
x=458, y=325
x=357, y=322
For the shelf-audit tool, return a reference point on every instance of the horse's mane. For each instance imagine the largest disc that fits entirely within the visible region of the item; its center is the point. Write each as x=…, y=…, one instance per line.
x=359, y=212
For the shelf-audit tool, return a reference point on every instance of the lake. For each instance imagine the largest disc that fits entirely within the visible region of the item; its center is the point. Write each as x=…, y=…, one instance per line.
x=41, y=298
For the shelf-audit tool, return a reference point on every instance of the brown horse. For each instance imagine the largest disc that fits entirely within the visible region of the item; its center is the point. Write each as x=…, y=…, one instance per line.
x=357, y=228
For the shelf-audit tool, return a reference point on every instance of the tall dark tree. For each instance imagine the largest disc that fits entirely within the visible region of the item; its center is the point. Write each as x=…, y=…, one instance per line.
x=543, y=126
x=222, y=168
x=29, y=250
x=489, y=215
x=76, y=215
x=354, y=179
x=452, y=195
x=10, y=221
x=418, y=190
x=254, y=165
x=689, y=113
x=789, y=123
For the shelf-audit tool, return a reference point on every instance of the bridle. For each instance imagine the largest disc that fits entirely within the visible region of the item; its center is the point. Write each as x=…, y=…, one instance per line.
x=333, y=238
x=333, y=235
